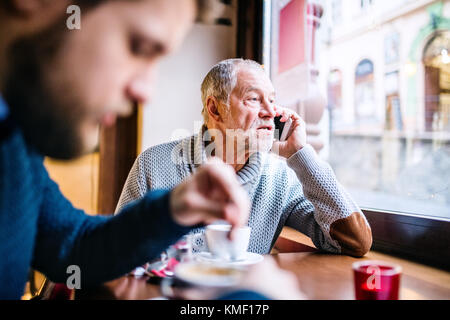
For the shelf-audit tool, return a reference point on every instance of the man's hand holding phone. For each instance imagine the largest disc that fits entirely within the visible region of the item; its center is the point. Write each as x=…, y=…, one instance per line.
x=293, y=136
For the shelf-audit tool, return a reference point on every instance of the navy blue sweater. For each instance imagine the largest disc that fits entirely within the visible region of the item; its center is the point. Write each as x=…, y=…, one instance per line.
x=39, y=227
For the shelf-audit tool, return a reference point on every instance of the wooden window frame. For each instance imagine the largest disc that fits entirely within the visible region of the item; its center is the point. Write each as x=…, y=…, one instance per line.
x=119, y=147
x=423, y=239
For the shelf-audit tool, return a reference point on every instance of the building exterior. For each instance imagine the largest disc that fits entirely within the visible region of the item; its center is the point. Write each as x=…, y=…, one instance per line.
x=385, y=68
x=376, y=65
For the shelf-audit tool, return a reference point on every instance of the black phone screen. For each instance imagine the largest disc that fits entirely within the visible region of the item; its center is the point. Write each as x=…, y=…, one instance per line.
x=279, y=126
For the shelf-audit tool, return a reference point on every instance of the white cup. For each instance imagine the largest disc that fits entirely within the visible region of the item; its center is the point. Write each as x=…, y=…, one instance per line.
x=221, y=247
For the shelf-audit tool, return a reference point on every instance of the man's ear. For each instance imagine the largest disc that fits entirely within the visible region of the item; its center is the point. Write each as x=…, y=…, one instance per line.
x=212, y=106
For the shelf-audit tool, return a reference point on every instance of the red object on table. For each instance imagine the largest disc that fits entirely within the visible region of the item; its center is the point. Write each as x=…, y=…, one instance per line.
x=376, y=280
x=60, y=292
x=171, y=264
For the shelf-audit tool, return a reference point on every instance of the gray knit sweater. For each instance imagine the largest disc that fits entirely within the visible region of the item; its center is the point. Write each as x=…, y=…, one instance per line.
x=301, y=193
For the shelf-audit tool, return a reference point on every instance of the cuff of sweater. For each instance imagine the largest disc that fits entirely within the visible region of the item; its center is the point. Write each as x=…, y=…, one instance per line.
x=305, y=159
x=243, y=295
x=158, y=209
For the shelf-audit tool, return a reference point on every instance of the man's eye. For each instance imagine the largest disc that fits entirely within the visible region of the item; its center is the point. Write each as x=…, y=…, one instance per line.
x=142, y=48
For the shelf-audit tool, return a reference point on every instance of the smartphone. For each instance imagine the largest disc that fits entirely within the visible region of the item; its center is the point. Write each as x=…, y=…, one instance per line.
x=282, y=128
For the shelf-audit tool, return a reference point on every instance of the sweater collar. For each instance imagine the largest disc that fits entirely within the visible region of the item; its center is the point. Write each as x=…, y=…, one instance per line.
x=195, y=155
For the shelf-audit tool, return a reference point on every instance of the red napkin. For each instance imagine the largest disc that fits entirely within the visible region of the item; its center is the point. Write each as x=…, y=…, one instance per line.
x=170, y=267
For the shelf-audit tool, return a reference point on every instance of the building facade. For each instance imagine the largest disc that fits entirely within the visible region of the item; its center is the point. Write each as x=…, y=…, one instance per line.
x=385, y=65
x=385, y=68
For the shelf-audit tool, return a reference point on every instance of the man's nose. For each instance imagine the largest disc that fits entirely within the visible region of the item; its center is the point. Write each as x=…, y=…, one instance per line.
x=141, y=86
x=267, y=110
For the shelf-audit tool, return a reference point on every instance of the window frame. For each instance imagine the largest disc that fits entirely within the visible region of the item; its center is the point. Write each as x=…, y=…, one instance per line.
x=423, y=239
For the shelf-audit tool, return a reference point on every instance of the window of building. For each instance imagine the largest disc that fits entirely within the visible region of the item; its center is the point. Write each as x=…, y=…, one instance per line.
x=336, y=11
x=365, y=4
x=391, y=48
x=335, y=96
x=364, y=92
x=436, y=59
x=393, y=112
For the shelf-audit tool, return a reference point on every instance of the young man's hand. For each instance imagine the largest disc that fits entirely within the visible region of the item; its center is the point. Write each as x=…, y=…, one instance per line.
x=268, y=279
x=212, y=193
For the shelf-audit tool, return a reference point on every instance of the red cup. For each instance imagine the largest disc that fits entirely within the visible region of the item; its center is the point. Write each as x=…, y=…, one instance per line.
x=376, y=280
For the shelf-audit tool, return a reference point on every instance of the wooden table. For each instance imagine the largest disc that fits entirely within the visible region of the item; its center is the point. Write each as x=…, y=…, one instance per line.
x=315, y=271
x=324, y=277
x=321, y=277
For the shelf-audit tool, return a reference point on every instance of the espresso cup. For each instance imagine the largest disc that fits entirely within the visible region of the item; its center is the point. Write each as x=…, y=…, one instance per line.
x=221, y=247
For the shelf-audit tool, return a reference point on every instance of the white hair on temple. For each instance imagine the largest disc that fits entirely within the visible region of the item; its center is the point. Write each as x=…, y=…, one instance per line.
x=209, y=10
x=221, y=80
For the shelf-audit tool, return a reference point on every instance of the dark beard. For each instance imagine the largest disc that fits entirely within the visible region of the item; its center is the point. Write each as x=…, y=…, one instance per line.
x=48, y=124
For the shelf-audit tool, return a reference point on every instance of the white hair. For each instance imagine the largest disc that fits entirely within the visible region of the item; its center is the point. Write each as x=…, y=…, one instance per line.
x=208, y=11
x=221, y=80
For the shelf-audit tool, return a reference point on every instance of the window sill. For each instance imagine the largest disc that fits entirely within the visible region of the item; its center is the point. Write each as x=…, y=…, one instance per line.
x=418, y=238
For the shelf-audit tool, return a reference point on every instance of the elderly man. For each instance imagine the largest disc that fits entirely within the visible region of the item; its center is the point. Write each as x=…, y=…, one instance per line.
x=300, y=191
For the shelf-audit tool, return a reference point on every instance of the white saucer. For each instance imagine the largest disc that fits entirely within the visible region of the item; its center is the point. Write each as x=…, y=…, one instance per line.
x=249, y=259
x=197, y=273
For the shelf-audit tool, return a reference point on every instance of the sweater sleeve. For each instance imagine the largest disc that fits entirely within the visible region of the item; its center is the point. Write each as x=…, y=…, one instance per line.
x=339, y=225
x=104, y=248
x=135, y=186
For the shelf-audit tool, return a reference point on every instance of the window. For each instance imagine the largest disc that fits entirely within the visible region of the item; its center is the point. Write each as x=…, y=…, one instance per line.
x=364, y=93
x=391, y=48
x=393, y=113
x=336, y=11
x=335, y=90
x=436, y=60
x=385, y=125
x=365, y=4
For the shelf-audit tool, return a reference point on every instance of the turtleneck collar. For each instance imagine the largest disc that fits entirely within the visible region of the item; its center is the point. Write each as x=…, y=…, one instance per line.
x=194, y=154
